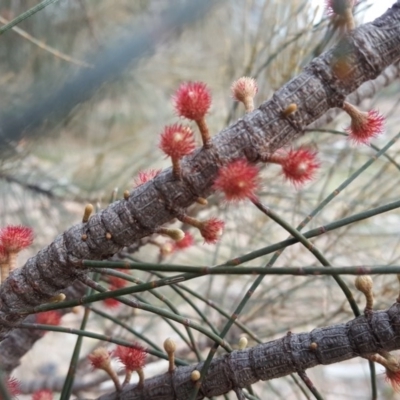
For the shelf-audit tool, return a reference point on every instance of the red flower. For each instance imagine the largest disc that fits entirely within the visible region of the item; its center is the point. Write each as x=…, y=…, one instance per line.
x=192, y=100
x=339, y=7
x=212, y=229
x=299, y=166
x=145, y=176
x=133, y=357
x=44, y=394
x=177, y=141
x=394, y=379
x=49, y=318
x=238, y=180
x=16, y=238
x=13, y=387
x=365, y=126
x=111, y=302
x=117, y=282
x=184, y=243
x=243, y=88
x=100, y=358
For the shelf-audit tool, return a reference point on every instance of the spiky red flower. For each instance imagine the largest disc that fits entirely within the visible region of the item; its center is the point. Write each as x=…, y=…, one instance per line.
x=339, y=7
x=14, y=238
x=44, y=394
x=393, y=378
x=111, y=302
x=365, y=126
x=171, y=246
x=184, y=243
x=244, y=87
x=212, y=229
x=299, y=165
x=51, y=317
x=145, y=176
x=117, y=282
x=238, y=180
x=13, y=386
x=133, y=357
x=192, y=100
x=100, y=358
x=177, y=141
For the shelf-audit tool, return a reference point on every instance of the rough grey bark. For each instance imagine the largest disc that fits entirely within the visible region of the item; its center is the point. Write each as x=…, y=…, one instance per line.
x=19, y=341
x=366, y=91
x=370, y=49
x=360, y=337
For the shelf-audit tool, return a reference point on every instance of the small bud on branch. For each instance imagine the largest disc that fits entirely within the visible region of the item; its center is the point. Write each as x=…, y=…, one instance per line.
x=244, y=90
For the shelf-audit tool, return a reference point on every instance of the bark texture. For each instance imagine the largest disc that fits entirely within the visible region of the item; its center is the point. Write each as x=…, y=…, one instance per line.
x=368, y=50
x=366, y=91
x=362, y=336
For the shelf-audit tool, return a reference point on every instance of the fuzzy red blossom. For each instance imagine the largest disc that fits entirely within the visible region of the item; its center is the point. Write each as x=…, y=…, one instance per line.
x=111, y=303
x=145, y=176
x=52, y=317
x=100, y=358
x=117, y=282
x=393, y=378
x=172, y=246
x=238, y=180
x=184, y=243
x=192, y=100
x=244, y=90
x=339, y=7
x=300, y=165
x=177, y=141
x=364, y=125
x=212, y=229
x=14, y=238
x=13, y=387
x=133, y=358
x=44, y=394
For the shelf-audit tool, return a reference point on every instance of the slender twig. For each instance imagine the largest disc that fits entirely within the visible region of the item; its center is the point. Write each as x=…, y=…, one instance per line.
x=26, y=15
x=45, y=47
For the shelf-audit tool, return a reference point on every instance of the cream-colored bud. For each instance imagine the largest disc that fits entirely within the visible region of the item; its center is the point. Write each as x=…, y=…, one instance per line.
x=243, y=342
x=57, y=298
x=364, y=283
x=87, y=213
x=195, y=375
x=173, y=233
x=169, y=345
x=290, y=109
x=202, y=201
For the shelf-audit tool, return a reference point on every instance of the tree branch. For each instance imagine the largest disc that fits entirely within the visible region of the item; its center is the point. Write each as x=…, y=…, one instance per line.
x=360, y=337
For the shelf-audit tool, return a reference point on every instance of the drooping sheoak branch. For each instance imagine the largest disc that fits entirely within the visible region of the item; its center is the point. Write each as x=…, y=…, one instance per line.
x=368, y=51
x=360, y=337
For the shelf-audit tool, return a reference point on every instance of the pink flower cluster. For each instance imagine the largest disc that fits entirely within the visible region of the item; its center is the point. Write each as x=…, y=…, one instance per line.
x=13, y=239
